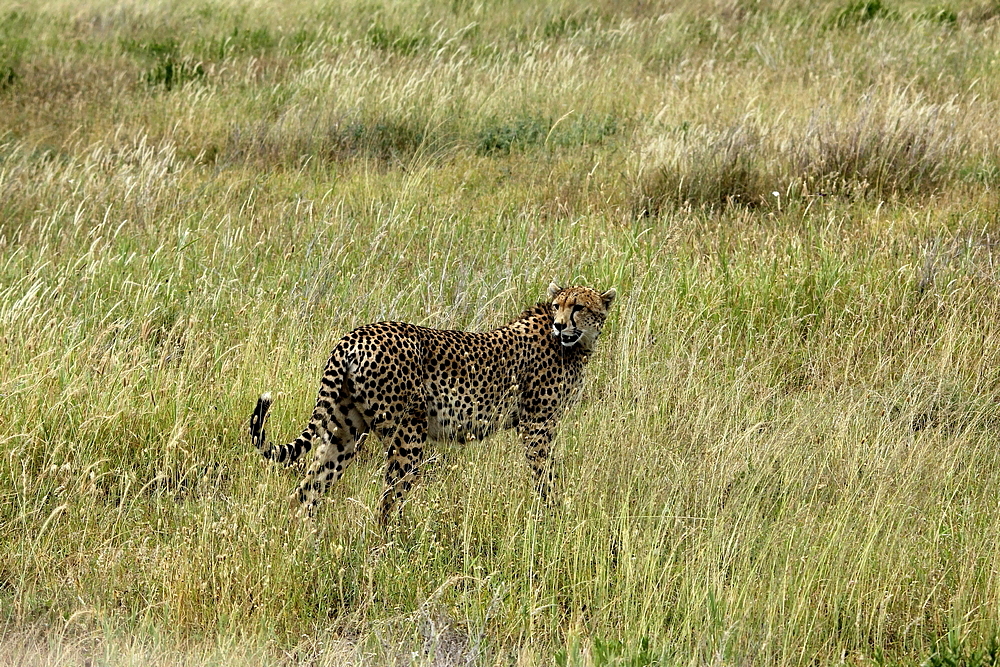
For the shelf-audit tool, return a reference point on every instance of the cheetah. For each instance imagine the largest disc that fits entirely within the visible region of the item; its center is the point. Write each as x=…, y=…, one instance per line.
x=408, y=384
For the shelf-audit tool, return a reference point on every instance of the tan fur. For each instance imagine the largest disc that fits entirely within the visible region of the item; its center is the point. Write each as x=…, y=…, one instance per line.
x=407, y=383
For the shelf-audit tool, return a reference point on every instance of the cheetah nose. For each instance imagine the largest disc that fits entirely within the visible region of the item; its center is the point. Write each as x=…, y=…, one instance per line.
x=558, y=326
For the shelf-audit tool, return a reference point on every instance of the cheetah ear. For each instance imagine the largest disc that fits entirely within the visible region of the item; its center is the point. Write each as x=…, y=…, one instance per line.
x=609, y=296
x=553, y=290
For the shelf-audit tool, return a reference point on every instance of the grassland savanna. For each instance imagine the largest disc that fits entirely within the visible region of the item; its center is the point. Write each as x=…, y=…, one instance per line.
x=787, y=452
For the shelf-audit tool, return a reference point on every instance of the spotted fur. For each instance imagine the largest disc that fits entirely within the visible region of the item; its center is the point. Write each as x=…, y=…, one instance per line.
x=408, y=384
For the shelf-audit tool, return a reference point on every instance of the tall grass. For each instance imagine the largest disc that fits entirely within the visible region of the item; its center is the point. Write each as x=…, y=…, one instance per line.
x=889, y=147
x=786, y=453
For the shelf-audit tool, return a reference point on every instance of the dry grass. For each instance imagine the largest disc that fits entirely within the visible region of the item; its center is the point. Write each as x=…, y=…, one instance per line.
x=890, y=147
x=787, y=450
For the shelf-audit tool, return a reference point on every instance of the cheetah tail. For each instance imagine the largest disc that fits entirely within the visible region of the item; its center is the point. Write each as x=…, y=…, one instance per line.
x=286, y=454
x=257, y=419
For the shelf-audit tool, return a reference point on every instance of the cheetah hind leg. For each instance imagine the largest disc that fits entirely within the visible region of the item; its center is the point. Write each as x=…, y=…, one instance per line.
x=332, y=458
x=401, y=473
x=406, y=452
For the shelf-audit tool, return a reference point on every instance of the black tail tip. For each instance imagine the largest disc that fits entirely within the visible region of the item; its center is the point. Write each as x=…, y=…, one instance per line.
x=257, y=419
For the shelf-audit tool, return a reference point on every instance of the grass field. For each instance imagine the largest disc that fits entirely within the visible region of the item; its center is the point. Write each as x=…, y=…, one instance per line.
x=788, y=450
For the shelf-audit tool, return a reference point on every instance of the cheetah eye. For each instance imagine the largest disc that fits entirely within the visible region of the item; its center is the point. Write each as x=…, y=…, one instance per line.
x=555, y=306
x=577, y=308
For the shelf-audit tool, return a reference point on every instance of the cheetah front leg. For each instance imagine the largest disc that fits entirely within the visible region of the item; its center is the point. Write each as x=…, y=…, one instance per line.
x=406, y=451
x=537, y=437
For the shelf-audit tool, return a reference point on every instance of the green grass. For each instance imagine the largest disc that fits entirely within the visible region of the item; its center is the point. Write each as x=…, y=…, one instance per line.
x=787, y=452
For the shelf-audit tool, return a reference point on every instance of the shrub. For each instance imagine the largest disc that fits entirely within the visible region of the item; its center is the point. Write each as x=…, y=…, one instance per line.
x=498, y=136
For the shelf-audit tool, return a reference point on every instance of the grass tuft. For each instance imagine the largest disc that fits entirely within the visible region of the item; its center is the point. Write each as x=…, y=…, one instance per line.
x=938, y=14
x=13, y=45
x=169, y=68
x=395, y=40
x=701, y=168
x=884, y=151
x=384, y=140
x=954, y=651
x=861, y=12
x=887, y=149
x=523, y=132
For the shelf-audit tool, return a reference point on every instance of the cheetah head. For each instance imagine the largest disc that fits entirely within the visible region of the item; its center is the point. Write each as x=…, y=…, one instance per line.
x=578, y=313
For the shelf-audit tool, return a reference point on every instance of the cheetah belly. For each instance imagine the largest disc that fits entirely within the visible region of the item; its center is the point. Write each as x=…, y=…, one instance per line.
x=461, y=416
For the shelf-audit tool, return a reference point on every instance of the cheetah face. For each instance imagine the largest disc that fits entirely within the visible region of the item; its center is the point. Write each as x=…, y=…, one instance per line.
x=578, y=313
